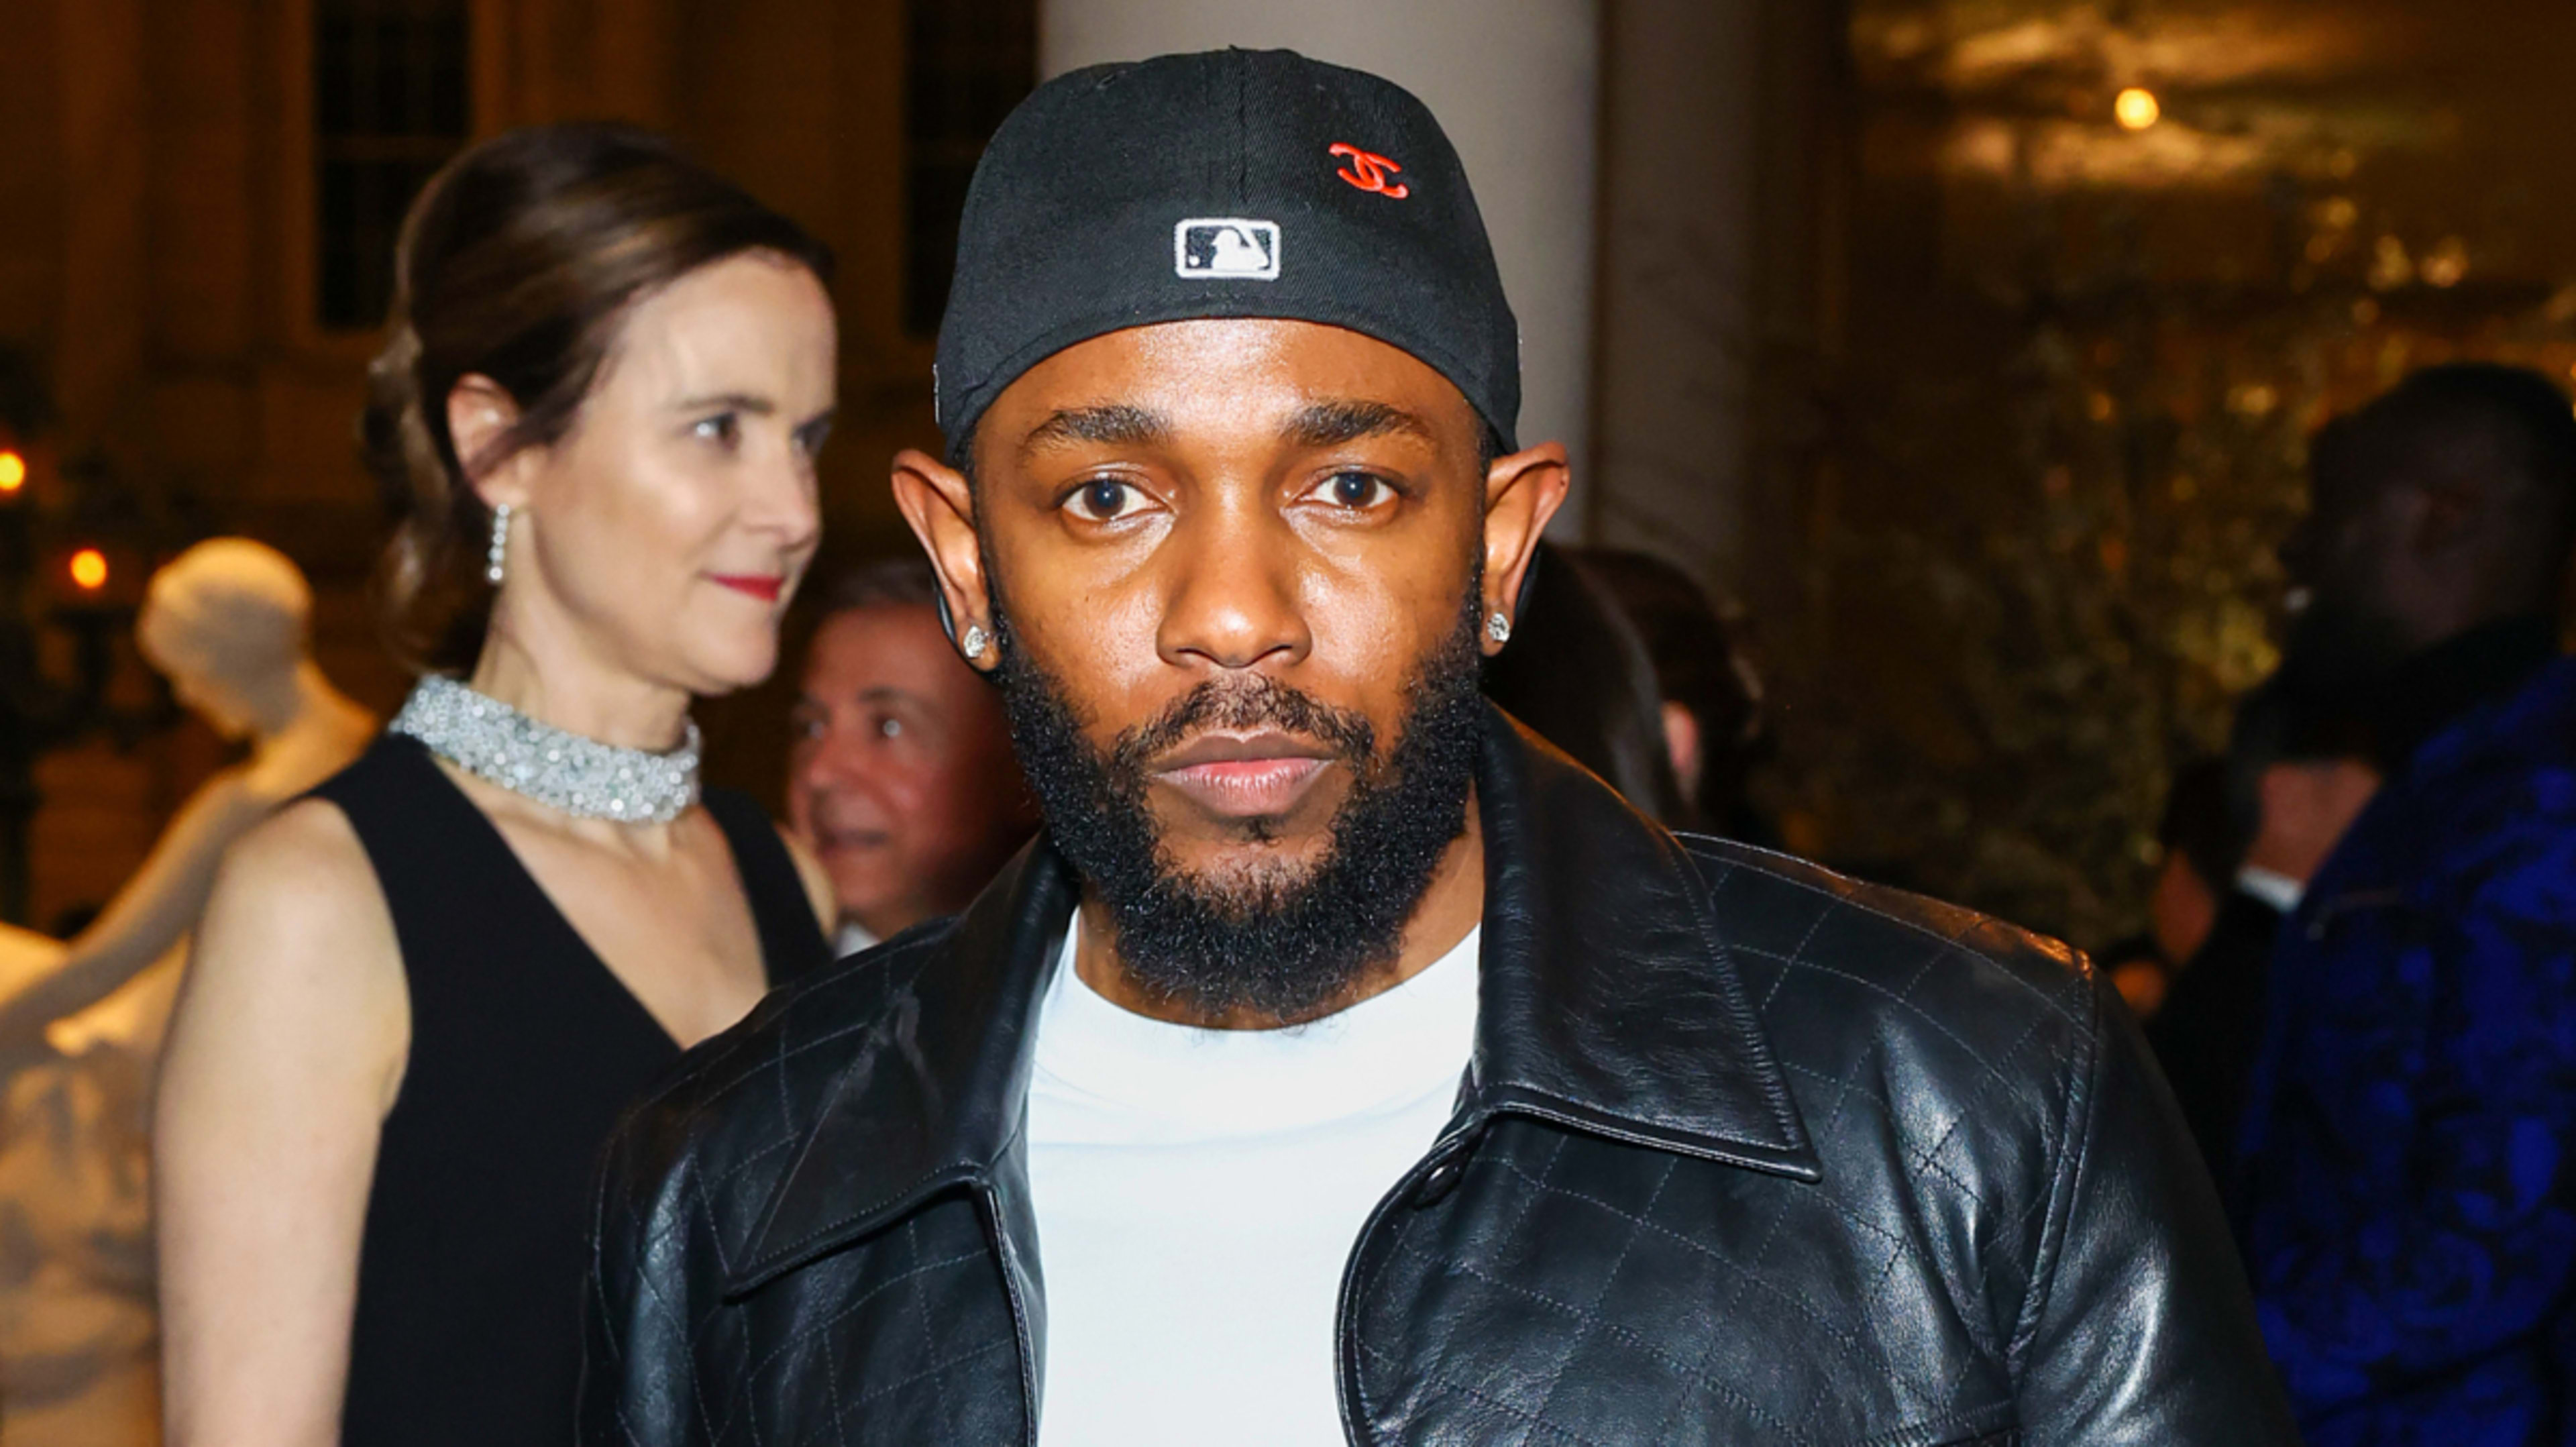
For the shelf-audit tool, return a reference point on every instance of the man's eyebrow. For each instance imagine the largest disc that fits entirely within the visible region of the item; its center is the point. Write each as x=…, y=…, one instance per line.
x=877, y=695
x=888, y=696
x=1330, y=424
x=1111, y=425
x=730, y=402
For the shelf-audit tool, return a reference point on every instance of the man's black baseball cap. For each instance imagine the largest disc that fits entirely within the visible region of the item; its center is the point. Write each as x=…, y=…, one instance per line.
x=1233, y=183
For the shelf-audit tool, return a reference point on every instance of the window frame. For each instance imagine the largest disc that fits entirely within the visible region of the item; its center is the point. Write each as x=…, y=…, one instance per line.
x=298, y=303
x=912, y=159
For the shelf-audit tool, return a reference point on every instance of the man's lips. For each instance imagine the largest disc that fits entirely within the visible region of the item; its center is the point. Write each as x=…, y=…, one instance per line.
x=1244, y=775
x=764, y=586
x=834, y=841
x=851, y=848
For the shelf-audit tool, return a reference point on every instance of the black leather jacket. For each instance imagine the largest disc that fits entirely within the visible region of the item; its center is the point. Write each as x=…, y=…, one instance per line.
x=1746, y=1152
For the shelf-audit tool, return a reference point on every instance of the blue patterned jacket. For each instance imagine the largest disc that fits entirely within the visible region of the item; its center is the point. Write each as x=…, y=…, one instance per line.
x=2407, y=1173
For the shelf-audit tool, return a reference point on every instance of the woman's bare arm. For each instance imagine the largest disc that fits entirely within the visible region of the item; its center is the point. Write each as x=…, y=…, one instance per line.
x=285, y=1052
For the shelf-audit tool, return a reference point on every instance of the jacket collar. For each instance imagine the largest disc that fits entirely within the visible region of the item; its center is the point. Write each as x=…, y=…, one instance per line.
x=1607, y=1000
x=1607, y=1003
x=2426, y=695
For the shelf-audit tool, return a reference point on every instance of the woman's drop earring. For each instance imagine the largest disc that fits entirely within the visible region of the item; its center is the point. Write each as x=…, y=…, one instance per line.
x=499, y=553
x=976, y=641
x=1498, y=627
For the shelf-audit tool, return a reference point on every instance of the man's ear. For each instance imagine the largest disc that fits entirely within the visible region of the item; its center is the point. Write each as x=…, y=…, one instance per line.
x=1522, y=492
x=937, y=502
x=480, y=413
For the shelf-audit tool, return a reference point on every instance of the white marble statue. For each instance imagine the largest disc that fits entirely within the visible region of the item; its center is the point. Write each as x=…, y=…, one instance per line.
x=81, y=1022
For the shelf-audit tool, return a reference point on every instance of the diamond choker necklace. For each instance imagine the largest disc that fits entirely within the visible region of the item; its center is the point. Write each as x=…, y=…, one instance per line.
x=495, y=742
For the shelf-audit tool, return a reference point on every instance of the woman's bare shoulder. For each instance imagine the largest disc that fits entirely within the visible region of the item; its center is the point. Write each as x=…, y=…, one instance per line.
x=295, y=975
x=309, y=841
x=297, y=885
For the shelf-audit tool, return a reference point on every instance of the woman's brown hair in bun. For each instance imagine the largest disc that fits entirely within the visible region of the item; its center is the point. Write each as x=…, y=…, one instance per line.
x=518, y=262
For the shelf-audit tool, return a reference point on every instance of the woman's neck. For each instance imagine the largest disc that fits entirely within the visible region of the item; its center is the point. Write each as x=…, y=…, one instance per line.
x=552, y=679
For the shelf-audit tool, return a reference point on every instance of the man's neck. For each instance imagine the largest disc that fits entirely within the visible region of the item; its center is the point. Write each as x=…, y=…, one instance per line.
x=1451, y=906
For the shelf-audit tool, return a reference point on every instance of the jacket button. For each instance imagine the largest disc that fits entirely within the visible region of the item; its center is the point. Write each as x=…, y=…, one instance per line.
x=1441, y=1179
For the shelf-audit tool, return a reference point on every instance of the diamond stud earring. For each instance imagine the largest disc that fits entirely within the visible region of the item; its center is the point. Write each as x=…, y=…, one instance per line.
x=1498, y=628
x=975, y=641
x=493, y=559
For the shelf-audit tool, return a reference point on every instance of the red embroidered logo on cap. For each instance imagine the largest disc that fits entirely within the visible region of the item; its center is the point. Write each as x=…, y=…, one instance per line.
x=1368, y=171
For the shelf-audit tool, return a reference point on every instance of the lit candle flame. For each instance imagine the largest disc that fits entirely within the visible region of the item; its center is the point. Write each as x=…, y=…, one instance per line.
x=13, y=472
x=2137, y=108
x=89, y=569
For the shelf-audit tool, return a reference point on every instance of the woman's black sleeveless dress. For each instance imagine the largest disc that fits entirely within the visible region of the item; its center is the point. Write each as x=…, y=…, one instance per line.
x=524, y=1050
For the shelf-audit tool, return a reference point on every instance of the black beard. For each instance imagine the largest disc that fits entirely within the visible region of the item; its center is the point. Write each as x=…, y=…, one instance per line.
x=1277, y=940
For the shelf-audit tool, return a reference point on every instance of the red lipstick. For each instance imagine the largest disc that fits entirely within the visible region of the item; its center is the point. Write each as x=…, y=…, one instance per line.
x=765, y=587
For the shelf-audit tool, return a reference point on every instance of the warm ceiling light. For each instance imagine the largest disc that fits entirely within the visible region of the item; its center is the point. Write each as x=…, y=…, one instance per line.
x=13, y=472
x=89, y=569
x=2137, y=108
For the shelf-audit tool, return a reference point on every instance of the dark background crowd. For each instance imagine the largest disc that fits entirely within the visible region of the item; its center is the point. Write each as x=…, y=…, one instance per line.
x=2062, y=533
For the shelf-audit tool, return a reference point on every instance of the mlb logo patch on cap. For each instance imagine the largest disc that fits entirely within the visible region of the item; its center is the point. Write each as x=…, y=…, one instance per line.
x=1226, y=248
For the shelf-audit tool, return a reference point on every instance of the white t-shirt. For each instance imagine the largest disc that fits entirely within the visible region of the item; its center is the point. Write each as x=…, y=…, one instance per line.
x=1199, y=1191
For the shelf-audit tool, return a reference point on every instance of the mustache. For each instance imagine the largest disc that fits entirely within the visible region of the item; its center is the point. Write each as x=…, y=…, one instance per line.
x=1254, y=702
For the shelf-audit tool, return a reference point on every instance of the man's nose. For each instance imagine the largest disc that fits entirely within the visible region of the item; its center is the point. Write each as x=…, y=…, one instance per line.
x=1232, y=596
x=829, y=759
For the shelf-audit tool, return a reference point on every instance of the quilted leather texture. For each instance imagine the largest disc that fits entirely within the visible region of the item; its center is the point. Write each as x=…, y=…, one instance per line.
x=1748, y=1153
x=904, y=1335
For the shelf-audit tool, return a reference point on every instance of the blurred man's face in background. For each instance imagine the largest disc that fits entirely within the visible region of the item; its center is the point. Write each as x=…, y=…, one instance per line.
x=2348, y=567
x=902, y=781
